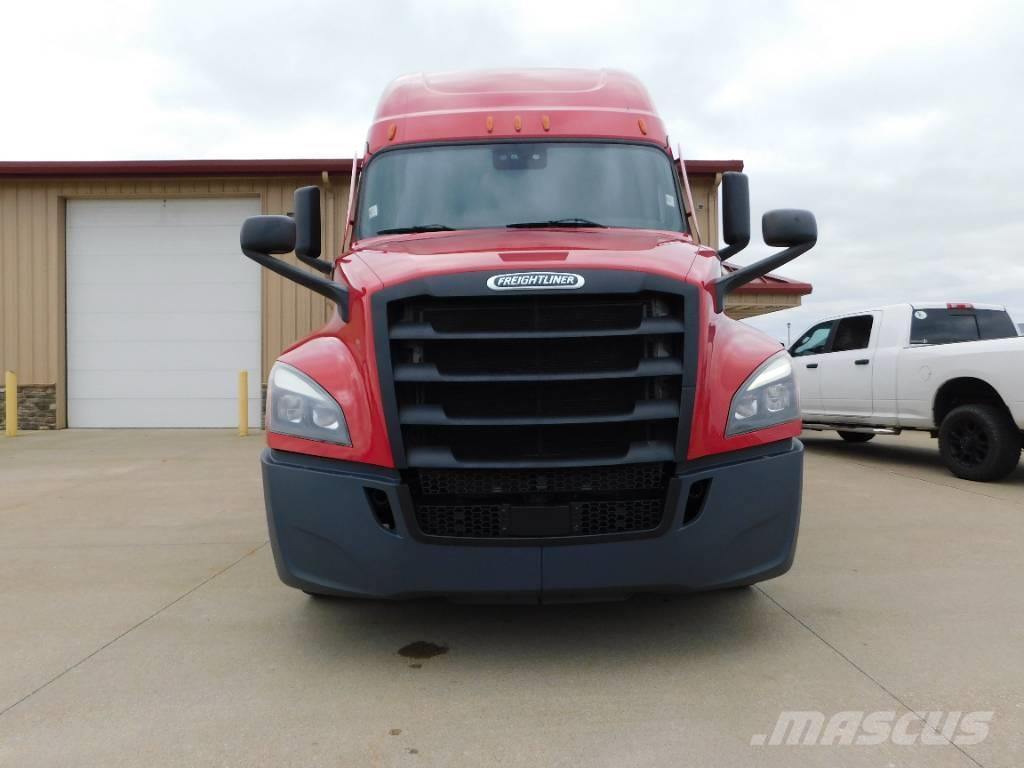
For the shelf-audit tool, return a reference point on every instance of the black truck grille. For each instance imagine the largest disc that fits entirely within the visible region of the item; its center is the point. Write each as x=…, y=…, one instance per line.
x=538, y=415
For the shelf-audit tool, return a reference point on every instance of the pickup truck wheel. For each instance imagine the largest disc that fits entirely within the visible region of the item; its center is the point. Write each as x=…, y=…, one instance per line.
x=979, y=442
x=856, y=437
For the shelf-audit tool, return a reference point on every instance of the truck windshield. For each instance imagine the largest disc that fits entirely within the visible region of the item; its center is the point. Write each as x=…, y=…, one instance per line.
x=949, y=326
x=524, y=185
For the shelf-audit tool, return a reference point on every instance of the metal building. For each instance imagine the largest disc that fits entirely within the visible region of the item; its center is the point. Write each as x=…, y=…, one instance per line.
x=124, y=300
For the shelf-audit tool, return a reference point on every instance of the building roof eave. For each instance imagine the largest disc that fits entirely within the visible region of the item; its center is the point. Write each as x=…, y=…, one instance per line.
x=252, y=167
x=772, y=283
x=108, y=168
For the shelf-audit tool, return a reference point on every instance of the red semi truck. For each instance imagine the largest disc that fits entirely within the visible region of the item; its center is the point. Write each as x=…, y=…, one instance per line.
x=529, y=388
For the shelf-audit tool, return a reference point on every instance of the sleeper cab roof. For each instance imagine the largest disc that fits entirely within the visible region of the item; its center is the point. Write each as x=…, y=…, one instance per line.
x=528, y=103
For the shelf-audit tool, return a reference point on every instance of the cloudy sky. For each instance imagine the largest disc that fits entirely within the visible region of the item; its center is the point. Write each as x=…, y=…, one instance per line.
x=899, y=124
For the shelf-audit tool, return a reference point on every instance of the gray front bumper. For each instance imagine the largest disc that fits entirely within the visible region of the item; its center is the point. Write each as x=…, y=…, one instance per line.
x=326, y=539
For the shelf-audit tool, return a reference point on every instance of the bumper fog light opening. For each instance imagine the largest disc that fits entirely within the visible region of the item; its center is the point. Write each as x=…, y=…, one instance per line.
x=695, y=500
x=380, y=505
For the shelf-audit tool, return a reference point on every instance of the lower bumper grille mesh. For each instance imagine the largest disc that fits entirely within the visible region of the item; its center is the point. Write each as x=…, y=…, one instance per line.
x=496, y=521
x=596, y=518
x=589, y=501
x=476, y=482
x=470, y=521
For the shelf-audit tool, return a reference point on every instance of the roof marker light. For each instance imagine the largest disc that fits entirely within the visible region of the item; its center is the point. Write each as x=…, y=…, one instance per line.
x=545, y=122
x=490, y=124
x=392, y=130
x=518, y=123
x=643, y=126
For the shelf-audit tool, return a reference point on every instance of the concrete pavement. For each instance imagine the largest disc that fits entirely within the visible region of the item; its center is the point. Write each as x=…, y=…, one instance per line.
x=143, y=624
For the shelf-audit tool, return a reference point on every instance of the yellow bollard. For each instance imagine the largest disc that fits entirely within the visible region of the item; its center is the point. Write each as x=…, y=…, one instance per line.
x=11, y=402
x=243, y=403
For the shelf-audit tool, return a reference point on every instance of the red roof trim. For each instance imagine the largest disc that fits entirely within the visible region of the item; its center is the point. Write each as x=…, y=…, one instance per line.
x=770, y=286
x=50, y=168
x=713, y=166
x=772, y=283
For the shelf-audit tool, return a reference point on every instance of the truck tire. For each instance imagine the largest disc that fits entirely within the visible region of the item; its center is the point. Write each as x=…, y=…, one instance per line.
x=856, y=437
x=979, y=442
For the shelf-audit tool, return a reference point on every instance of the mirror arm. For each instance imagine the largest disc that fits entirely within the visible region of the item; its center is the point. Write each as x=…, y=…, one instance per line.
x=328, y=288
x=318, y=264
x=722, y=286
x=732, y=249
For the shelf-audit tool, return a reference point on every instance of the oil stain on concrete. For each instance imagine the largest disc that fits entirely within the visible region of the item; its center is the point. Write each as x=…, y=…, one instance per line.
x=422, y=649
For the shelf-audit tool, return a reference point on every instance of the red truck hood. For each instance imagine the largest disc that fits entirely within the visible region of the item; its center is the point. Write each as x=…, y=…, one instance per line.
x=399, y=259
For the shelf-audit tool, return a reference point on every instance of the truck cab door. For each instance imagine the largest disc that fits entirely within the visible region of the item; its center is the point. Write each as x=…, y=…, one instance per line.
x=846, y=371
x=807, y=353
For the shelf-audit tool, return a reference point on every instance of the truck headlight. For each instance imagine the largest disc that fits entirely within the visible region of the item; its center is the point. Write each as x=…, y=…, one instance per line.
x=768, y=397
x=298, y=406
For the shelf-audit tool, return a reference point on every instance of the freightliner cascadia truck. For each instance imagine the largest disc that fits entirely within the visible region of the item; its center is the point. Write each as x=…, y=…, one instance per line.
x=528, y=389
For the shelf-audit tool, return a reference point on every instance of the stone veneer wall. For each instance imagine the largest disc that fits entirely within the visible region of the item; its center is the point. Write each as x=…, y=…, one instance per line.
x=37, y=406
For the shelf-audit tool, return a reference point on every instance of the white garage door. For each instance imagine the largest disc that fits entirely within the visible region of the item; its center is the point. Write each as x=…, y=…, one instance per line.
x=163, y=311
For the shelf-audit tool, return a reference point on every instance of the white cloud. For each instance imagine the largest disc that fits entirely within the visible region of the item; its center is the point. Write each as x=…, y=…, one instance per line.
x=888, y=129
x=896, y=122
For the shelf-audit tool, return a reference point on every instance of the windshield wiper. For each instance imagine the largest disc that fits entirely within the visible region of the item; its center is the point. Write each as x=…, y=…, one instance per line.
x=570, y=222
x=417, y=228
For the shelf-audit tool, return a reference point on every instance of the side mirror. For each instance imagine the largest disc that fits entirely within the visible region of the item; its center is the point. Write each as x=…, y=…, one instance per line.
x=262, y=236
x=307, y=229
x=735, y=214
x=787, y=227
x=268, y=234
x=793, y=229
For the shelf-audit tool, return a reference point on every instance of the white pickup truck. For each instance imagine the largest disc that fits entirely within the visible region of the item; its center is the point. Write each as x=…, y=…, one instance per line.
x=955, y=370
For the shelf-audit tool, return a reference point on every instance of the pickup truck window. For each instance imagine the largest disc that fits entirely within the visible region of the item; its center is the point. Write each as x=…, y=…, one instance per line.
x=853, y=333
x=528, y=184
x=951, y=326
x=994, y=324
x=814, y=341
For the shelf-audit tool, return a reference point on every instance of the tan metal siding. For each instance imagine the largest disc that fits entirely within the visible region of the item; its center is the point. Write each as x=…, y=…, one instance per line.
x=743, y=305
x=9, y=277
x=32, y=262
x=704, y=189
